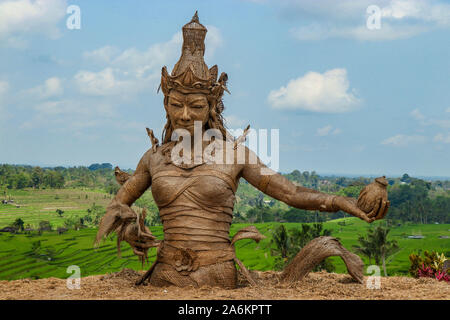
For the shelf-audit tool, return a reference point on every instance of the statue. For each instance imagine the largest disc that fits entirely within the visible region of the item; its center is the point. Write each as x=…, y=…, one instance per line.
x=195, y=193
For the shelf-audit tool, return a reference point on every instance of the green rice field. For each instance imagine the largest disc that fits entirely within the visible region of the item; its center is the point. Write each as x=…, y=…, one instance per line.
x=57, y=252
x=50, y=254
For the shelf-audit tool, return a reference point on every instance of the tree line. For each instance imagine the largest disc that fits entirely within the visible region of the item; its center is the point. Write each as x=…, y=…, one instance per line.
x=412, y=199
x=96, y=176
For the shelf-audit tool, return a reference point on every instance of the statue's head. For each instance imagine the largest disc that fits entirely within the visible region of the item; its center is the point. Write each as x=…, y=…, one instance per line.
x=192, y=92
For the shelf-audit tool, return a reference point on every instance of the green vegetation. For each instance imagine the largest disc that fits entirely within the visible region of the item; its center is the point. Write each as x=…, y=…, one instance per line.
x=377, y=246
x=49, y=255
x=412, y=199
x=288, y=244
x=51, y=229
x=34, y=206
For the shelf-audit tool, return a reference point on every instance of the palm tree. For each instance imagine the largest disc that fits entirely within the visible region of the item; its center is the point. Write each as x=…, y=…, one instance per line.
x=282, y=242
x=366, y=248
x=18, y=224
x=377, y=246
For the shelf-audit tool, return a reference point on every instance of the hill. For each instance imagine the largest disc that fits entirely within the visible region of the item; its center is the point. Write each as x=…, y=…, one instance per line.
x=50, y=254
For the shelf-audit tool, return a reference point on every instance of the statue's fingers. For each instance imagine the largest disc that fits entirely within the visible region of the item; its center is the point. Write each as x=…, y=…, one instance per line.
x=362, y=194
x=375, y=209
x=136, y=252
x=362, y=215
x=382, y=210
x=148, y=235
x=388, y=204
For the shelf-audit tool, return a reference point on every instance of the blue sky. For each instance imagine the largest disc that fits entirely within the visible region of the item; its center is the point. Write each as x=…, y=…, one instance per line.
x=346, y=99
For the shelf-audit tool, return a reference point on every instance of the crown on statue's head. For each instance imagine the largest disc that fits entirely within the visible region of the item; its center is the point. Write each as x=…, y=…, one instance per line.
x=191, y=74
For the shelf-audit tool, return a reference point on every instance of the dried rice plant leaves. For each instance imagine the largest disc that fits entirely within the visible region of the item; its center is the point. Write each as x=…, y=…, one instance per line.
x=249, y=232
x=116, y=215
x=315, y=252
x=121, y=176
x=242, y=137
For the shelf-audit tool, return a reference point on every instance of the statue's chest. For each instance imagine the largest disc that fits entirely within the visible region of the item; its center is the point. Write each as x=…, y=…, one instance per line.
x=210, y=185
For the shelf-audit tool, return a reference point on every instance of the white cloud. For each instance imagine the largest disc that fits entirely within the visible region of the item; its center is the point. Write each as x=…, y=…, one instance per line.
x=448, y=110
x=347, y=18
x=327, y=130
x=69, y=114
x=316, y=92
x=435, y=122
x=233, y=121
x=52, y=87
x=401, y=140
x=416, y=114
x=4, y=88
x=102, y=55
x=387, y=32
x=23, y=17
x=336, y=131
x=324, y=131
x=133, y=70
x=213, y=41
x=442, y=138
x=104, y=83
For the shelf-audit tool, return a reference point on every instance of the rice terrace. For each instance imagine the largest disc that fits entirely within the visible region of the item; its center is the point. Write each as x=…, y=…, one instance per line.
x=37, y=255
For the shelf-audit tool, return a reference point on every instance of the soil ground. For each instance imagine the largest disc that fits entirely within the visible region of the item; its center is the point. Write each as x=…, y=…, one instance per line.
x=317, y=286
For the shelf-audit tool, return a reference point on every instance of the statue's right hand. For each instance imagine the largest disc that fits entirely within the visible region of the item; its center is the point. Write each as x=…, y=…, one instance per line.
x=138, y=237
x=129, y=227
x=116, y=214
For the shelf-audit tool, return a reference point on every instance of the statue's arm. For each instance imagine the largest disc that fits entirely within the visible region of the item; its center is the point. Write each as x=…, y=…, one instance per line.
x=118, y=213
x=275, y=185
x=137, y=184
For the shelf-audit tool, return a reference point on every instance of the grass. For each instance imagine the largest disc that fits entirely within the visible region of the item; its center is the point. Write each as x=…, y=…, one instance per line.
x=58, y=252
x=33, y=206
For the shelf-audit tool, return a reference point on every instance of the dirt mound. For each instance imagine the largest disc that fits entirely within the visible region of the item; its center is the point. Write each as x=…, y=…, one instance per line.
x=321, y=285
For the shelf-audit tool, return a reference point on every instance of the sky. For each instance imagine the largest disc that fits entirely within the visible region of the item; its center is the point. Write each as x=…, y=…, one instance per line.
x=354, y=87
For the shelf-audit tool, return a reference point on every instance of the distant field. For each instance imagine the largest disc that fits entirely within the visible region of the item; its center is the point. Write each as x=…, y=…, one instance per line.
x=33, y=206
x=57, y=252
x=75, y=248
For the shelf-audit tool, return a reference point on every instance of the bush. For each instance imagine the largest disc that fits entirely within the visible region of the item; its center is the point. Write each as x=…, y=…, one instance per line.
x=45, y=225
x=431, y=266
x=287, y=245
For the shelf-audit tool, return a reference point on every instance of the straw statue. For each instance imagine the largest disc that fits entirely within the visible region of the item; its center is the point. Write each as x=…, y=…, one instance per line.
x=194, y=181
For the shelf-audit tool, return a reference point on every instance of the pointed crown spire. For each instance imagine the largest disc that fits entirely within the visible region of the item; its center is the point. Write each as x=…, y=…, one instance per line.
x=191, y=74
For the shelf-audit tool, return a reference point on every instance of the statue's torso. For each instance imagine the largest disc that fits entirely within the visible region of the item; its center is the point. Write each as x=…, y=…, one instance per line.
x=196, y=205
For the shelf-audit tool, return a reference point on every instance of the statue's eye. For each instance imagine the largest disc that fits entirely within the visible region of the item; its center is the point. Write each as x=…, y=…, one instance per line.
x=197, y=106
x=176, y=105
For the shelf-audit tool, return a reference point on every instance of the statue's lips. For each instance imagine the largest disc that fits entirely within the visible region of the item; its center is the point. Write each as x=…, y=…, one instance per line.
x=189, y=126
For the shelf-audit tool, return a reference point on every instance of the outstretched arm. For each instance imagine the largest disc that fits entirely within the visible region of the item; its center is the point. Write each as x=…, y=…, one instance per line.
x=280, y=188
x=136, y=185
x=119, y=216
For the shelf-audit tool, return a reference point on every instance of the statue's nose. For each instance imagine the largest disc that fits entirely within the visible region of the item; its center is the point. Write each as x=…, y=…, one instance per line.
x=186, y=116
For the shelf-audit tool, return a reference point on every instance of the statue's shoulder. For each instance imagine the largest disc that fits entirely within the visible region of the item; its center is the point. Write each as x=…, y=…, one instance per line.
x=157, y=155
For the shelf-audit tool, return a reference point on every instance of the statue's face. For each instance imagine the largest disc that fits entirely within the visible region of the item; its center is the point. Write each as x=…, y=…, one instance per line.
x=184, y=109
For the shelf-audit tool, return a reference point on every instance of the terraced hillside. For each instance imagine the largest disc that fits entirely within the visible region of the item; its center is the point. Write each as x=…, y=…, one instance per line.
x=50, y=254
x=33, y=206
